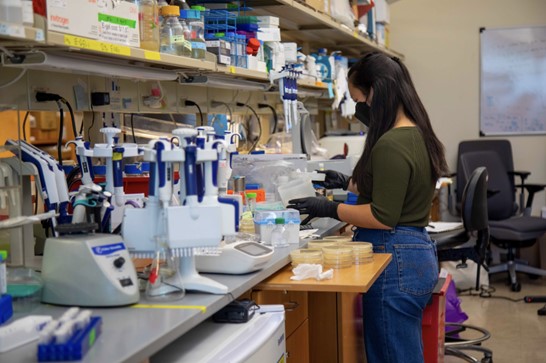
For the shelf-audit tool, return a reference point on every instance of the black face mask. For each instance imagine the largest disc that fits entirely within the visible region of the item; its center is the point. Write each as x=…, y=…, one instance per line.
x=362, y=113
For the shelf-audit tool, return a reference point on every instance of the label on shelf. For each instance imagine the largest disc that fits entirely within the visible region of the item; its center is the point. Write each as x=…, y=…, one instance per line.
x=151, y=55
x=90, y=44
x=232, y=69
x=12, y=30
x=40, y=35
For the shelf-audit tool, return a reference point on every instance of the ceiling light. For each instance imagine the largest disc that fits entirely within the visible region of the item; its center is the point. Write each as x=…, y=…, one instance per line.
x=73, y=63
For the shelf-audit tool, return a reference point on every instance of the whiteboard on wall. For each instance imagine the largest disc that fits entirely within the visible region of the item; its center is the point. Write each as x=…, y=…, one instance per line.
x=513, y=81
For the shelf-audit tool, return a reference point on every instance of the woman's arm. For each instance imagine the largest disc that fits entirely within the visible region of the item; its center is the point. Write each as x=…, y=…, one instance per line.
x=360, y=216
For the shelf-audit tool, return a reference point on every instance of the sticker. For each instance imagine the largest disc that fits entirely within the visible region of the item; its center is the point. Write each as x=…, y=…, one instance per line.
x=12, y=30
x=90, y=44
x=232, y=69
x=108, y=249
x=151, y=55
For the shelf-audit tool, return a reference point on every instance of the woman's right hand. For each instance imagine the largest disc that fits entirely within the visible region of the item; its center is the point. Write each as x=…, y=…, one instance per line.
x=334, y=180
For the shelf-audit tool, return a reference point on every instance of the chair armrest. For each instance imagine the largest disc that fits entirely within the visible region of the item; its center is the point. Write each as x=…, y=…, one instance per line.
x=522, y=174
x=531, y=190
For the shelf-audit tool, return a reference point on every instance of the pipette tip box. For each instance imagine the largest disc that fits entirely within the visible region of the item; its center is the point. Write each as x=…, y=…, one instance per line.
x=76, y=347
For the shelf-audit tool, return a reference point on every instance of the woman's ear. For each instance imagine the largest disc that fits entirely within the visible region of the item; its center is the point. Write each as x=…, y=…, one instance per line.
x=370, y=97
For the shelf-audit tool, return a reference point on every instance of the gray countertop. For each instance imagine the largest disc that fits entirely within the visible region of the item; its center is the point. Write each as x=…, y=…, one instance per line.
x=133, y=334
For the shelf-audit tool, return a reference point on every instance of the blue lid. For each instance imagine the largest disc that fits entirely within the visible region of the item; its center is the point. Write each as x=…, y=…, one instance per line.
x=253, y=186
x=190, y=14
x=132, y=169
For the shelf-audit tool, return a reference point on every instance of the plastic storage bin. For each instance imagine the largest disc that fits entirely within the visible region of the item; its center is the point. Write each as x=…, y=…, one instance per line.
x=264, y=223
x=433, y=324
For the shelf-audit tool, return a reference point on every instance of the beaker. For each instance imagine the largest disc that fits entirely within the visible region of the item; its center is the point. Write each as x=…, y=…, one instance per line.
x=164, y=281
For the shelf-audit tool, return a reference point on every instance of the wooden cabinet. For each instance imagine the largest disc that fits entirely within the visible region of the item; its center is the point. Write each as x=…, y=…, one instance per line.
x=297, y=344
x=333, y=308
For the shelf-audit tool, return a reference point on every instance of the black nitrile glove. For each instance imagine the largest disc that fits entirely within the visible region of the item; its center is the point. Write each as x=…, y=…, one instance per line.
x=333, y=180
x=315, y=207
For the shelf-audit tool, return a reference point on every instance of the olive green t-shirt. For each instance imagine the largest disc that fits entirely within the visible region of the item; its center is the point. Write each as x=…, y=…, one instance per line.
x=400, y=186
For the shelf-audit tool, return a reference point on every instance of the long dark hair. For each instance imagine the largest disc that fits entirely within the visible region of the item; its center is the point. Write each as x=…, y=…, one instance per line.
x=392, y=88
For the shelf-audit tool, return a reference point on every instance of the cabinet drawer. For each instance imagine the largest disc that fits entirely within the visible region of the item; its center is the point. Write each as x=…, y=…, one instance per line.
x=297, y=344
x=295, y=304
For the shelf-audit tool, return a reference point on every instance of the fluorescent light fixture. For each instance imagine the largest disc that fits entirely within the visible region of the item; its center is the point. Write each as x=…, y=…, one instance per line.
x=224, y=83
x=87, y=64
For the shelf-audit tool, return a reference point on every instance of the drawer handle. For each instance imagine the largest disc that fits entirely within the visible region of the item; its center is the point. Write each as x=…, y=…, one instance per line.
x=291, y=305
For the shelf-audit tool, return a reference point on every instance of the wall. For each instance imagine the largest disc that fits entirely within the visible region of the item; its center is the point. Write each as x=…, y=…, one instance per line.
x=440, y=42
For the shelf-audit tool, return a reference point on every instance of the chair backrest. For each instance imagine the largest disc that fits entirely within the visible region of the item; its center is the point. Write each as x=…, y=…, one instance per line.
x=502, y=147
x=474, y=203
x=501, y=204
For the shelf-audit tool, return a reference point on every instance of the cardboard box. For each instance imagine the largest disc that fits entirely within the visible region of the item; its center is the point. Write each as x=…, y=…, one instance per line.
x=76, y=17
x=320, y=5
x=119, y=24
x=95, y=19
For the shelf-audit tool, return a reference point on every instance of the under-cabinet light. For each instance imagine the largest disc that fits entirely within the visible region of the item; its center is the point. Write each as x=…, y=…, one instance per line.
x=86, y=64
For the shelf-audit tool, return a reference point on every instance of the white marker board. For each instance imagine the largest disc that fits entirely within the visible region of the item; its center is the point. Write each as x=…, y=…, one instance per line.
x=513, y=81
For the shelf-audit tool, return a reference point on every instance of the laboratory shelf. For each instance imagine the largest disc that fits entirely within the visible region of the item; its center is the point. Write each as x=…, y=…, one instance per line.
x=301, y=23
x=143, y=57
x=311, y=83
x=13, y=35
x=243, y=72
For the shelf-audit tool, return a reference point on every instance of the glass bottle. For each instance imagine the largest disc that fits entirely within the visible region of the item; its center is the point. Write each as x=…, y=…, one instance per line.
x=279, y=236
x=148, y=16
x=172, y=33
x=182, y=4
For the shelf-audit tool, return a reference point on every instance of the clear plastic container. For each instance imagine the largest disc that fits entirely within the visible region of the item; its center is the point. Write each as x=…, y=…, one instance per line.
x=264, y=222
x=25, y=287
x=196, y=23
x=338, y=256
x=196, y=32
x=148, y=15
x=172, y=33
x=340, y=239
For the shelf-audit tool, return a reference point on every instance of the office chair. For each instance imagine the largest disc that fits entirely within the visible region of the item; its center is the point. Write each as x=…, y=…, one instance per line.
x=476, y=231
x=509, y=229
x=454, y=247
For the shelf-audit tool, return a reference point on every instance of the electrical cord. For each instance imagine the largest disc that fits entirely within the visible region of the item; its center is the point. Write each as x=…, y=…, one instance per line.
x=60, y=140
x=71, y=111
x=192, y=103
x=25, y=125
x=253, y=147
x=486, y=292
x=92, y=123
x=133, y=127
x=275, y=117
x=15, y=80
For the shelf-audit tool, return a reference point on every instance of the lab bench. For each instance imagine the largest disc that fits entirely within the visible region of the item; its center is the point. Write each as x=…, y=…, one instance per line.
x=133, y=333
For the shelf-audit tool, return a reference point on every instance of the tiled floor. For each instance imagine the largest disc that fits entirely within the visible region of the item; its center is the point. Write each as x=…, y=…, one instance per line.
x=518, y=334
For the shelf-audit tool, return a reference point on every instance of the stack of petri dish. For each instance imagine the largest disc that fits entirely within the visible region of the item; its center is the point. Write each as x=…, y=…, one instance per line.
x=339, y=239
x=363, y=252
x=321, y=243
x=337, y=256
x=306, y=255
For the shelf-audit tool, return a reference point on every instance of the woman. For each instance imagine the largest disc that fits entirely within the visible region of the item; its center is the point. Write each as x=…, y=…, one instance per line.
x=395, y=179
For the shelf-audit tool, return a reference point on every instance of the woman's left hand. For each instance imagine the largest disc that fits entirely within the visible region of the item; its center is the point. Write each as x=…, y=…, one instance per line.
x=315, y=207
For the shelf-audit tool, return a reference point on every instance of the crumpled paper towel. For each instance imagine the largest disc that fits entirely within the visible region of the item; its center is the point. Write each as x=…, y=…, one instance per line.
x=308, y=270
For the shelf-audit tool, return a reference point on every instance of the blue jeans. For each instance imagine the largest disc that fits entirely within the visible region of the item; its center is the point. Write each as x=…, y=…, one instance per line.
x=393, y=307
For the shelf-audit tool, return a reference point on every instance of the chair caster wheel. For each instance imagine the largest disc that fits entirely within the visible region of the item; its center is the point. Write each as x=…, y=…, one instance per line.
x=516, y=287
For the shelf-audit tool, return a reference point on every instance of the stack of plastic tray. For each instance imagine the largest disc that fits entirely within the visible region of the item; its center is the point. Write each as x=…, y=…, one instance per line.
x=321, y=243
x=363, y=251
x=306, y=255
x=337, y=256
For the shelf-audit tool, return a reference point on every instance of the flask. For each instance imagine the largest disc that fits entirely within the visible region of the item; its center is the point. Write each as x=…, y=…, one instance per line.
x=278, y=235
x=172, y=33
x=164, y=281
x=148, y=15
